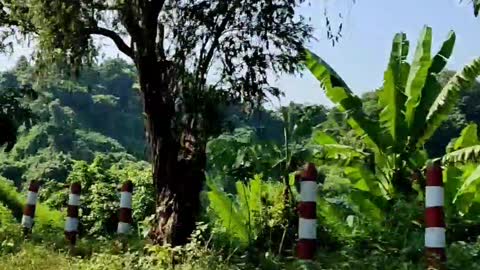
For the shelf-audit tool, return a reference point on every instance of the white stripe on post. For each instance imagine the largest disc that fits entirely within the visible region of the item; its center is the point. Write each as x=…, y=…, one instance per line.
x=71, y=224
x=308, y=191
x=74, y=199
x=307, y=228
x=435, y=241
x=434, y=196
x=29, y=209
x=435, y=237
x=125, y=211
x=27, y=222
x=126, y=200
x=123, y=227
x=32, y=198
x=307, y=224
x=72, y=221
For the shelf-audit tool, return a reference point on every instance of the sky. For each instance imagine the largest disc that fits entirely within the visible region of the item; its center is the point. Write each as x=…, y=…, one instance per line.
x=361, y=55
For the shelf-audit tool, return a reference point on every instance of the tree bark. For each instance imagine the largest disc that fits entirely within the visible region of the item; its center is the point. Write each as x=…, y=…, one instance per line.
x=177, y=159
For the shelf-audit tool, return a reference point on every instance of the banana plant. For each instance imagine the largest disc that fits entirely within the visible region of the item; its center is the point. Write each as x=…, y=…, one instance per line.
x=413, y=101
x=462, y=170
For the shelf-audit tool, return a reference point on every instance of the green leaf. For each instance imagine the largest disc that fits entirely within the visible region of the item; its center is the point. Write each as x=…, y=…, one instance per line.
x=341, y=95
x=471, y=153
x=321, y=138
x=469, y=185
x=448, y=97
x=432, y=88
x=366, y=207
x=452, y=176
x=418, y=74
x=468, y=137
x=440, y=59
x=392, y=96
x=228, y=215
x=363, y=179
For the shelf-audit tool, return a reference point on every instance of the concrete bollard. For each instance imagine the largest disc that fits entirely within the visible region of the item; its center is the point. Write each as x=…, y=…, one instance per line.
x=435, y=241
x=307, y=224
x=71, y=224
x=29, y=210
x=125, y=212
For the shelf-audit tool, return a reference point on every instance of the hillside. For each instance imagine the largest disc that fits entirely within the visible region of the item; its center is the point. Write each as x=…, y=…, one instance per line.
x=77, y=119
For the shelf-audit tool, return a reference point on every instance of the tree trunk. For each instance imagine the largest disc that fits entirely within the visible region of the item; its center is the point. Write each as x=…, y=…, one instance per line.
x=178, y=163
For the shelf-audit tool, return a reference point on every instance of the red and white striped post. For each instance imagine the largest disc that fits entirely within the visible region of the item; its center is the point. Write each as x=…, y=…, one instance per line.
x=125, y=212
x=29, y=210
x=435, y=241
x=307, y=225
x=71, y=224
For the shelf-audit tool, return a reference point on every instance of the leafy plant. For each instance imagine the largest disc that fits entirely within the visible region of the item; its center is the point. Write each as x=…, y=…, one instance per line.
x=414, y=106
x=251, y=216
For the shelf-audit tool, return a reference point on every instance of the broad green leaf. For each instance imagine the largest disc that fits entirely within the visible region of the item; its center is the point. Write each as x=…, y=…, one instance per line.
x=249, y=196
x=468, y=137
x=321, y=138
x=331, y=215
x=469, y=185
x=466, y=194
x=448, y=97
x=228, y=215
x=471, y=153
x=431, y=89
x=440, y=59
x=363, y=179
x=341, y=95
x=418, y=75
x=327, y=148
x=452, y=177
x=418, y=158
x=366, y=207
x=392, y=96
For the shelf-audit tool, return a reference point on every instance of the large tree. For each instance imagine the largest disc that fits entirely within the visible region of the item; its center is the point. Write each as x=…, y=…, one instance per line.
x=177, y=46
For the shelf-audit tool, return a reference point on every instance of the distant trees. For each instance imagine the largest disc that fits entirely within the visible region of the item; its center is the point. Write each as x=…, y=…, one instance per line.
x=14, y=113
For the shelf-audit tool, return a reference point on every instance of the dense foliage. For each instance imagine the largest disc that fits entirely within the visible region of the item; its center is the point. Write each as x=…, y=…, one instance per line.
x=89, y=129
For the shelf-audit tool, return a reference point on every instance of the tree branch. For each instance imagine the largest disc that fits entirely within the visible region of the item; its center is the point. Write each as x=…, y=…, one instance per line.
x=121, y=45
x=203, y=65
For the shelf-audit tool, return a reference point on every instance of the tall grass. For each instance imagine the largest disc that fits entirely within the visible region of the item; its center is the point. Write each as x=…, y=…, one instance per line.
x=45, y=218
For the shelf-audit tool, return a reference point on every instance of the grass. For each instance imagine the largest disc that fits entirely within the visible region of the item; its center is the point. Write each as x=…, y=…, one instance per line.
x=45, y=218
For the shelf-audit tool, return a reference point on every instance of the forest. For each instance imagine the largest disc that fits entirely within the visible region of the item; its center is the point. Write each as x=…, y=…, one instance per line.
x=219, y=176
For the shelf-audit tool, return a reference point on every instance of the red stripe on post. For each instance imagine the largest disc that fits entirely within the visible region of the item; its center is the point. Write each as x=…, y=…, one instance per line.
x=71, y=237
x=434, y=175
x=34, y=186
x=125, y=215
x=306, y=249
x=434, y=217
x=76, y=188
x=127, y=187
x=309, y=173
x=72, y=215
x=307, y=210
x=29, y=210
x=72, y=211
